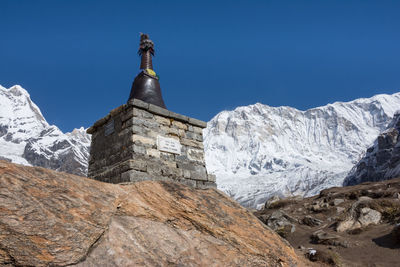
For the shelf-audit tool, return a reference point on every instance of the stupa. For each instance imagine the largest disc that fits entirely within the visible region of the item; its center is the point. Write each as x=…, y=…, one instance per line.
x=142, y=140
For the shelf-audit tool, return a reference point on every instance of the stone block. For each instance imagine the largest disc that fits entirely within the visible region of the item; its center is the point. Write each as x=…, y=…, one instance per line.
x=138, y=164
x=198, y=123
x=188, y=182
x=195, y=155
x=128, y=123
x=138, y=103
x=152, y=133
x=182, y=158
x=162, y=120
x=199, y=175
x=187, y=166
x=142, y=122
x=212, y=178
x=181, y=133
x=138, y=139
x=169, y=131
x=205, y=185
x=198, y=130
x=158, y=110
x=153, y=153
x=197, y=172
x=180, y=125
x=139, y=149
x=138, y=130
x=170, y=164
x=154, y=168
x=192, y=143
x=142, y=113
x=194, y=136
x=134, y=176
x=124, y=132
x=167, y=156
x=150, y=124
x=127, y=114
x=179, y=117
x=186, y=174
x=171, y=172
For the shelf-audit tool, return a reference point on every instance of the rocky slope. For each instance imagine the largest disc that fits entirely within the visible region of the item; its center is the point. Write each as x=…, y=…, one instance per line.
x=343, y=226
x=381, y=161
x=258, y=151
x=52, y=218
x=27, y=138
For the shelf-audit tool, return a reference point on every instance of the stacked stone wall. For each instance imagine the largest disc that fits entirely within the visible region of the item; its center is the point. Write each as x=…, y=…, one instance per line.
x=125, y=149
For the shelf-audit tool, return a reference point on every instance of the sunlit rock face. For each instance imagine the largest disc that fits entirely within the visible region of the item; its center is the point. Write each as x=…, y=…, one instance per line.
x=258, y=151
x=53, y=218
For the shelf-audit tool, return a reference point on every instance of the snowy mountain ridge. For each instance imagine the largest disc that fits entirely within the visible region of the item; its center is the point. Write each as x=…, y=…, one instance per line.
x=27, y=138
x=258, y=151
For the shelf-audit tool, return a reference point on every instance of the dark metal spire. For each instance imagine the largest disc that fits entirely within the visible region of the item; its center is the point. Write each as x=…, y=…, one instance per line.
x=146, y=86
x=146, y=50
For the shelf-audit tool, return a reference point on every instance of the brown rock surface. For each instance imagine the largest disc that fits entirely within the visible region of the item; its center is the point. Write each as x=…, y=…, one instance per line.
x=345, y=226
x=49, y=218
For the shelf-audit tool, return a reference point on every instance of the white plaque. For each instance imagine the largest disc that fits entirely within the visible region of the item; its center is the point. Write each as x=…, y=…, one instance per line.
x=170, y=145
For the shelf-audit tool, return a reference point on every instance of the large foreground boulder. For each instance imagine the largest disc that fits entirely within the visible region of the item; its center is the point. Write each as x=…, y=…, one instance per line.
x=49, y=218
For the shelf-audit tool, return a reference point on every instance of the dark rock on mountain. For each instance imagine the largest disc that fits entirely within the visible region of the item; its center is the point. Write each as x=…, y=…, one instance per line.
x=382, y=160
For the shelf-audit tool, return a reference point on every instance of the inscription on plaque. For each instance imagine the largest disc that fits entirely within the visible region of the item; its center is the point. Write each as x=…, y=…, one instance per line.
x=169, y=145
x=109, y=127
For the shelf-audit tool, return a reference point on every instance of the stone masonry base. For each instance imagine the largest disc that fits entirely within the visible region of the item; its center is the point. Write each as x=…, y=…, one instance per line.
x=125, y=148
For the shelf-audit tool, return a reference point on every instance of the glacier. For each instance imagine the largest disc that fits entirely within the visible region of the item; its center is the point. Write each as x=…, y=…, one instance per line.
x=258, y=151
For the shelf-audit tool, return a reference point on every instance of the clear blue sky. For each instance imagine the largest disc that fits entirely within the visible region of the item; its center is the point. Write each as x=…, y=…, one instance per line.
x=78, y=58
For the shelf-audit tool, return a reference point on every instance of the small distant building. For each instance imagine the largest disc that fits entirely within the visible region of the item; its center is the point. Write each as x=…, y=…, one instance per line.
x=142, y=140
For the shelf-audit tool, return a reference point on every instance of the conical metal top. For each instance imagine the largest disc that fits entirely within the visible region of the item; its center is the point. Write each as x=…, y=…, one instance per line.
x=146, y=86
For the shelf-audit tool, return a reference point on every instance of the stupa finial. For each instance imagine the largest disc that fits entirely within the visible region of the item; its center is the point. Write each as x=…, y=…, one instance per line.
x=146, y=85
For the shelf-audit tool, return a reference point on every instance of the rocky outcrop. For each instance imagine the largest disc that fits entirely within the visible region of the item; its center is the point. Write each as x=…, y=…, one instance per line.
x=359, y=216
x=342, y=226
x=280, y=222
x=50, y=218
x=365, y=217
x=382, y=160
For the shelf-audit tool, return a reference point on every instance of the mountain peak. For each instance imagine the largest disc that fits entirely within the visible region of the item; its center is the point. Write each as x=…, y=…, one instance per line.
x=27, y=138
x=17, y=90
x=257, y=151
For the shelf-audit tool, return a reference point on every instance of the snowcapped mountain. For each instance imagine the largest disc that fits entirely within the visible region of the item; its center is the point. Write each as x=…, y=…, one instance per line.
x=381, y=161
x=258, y=151
x=27, y=138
